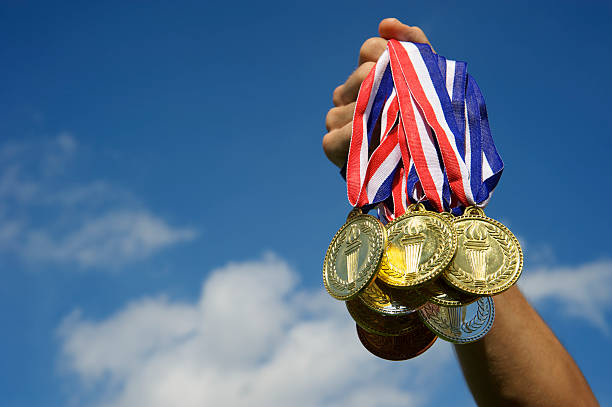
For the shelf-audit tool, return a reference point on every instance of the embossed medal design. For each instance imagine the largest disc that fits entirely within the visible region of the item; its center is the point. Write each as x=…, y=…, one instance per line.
x=353, y=257
x=489, y=258
x=460, y=324
x=420, y=244
x=401, y=347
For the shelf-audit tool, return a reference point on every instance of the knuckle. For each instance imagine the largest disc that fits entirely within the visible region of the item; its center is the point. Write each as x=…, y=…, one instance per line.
x=370, y=48
x=330, y=119
x=337, y=96
x=327, y=143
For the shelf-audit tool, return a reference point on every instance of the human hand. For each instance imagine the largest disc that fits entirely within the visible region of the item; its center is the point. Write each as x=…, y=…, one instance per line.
x=339, y=119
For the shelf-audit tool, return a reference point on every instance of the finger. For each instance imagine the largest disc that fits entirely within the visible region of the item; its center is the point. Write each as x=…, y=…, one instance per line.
x=339, y=116
x=347, y=92
x=393, y=28
x=336, y=144
x=371, y=49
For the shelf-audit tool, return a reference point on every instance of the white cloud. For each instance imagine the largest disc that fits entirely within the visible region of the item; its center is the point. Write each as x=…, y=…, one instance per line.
x=112, y=239
x=251, y=339
x=46, y=218
x=583, y=291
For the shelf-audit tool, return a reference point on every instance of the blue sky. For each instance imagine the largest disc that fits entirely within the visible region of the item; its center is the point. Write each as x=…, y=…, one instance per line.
x=165, y=203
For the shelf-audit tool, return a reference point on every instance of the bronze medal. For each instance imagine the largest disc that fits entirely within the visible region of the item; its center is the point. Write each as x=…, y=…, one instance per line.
x=400, y=347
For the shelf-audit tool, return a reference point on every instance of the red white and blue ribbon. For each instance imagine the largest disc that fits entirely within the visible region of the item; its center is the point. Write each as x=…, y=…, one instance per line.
x=434, y=145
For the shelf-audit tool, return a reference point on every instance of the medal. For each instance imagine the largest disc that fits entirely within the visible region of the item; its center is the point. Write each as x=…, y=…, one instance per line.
x=353, y=257
x=388, y=300
x=401, y=347
x=420, y=244
x=441, y=293
x=386, y=325
x=460, y=324
x=489, y=258
x=423, y=274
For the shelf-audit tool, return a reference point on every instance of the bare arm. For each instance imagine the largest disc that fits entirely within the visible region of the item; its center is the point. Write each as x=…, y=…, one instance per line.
x=520, y=362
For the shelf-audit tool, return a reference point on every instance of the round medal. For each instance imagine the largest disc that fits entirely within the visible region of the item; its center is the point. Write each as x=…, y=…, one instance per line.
x=388, y=300
x=353, y=256
x=489, y=258
x=420, y=244
x=381, y=324
x=460, y=324
x=443, y=294
x=400, y=347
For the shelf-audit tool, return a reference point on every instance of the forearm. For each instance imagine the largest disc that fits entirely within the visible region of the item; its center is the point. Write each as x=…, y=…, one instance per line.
x=520, y=362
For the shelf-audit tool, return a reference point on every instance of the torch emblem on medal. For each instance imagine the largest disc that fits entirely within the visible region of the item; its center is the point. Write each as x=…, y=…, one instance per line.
x=476, y=246
x=456, y=318
x=412, y=241
x=351, y=252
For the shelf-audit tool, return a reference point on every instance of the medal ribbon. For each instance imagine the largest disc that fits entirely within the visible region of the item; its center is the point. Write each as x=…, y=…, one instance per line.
x=434, y=145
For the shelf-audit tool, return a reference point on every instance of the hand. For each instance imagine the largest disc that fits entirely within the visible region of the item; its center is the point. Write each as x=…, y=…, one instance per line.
x=340, y=118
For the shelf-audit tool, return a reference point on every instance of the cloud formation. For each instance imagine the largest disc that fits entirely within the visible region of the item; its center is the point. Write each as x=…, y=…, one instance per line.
x=111, y=239
x=44, y=218
x=253, y=338
x=582, y=291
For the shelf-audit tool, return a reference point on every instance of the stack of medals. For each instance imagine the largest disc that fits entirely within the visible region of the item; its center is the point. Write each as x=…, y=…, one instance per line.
x=421, y=153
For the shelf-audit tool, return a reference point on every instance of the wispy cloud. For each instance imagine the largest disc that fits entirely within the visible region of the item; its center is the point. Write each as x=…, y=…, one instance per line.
x=111, y=239
x=582, y=291
x=45, y=218
x=252, y=339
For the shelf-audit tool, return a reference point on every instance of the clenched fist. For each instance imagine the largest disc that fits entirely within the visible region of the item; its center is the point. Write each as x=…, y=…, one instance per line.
x=340, y=118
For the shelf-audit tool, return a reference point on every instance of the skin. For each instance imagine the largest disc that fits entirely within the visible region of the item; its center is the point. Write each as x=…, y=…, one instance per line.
x=520, y=362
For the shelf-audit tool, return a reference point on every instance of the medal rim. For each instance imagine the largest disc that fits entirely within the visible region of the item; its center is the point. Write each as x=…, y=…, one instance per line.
x=387, y=280
x=383, y=286
x=353, y=293
x=459, y=341
x=421, y=290
x=485, y=292
x=361, y=314
x=385, y=353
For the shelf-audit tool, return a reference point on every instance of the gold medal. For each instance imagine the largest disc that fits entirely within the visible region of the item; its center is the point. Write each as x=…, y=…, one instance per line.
x=489, y=258
x=420, y=244
x=460, y=324
x=443, y=294
x=353, y=256
x=389, y=300
x=401, y=347
x=380, y=324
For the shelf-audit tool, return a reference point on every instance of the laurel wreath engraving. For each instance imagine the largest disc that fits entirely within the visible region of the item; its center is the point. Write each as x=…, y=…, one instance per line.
x=331, y=280
x=376, y=295
x=479, y=324
x=510, y=259
x=433, y=261
x=482, y=314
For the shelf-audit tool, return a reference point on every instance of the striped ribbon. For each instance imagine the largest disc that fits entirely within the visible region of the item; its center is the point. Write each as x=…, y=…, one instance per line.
x=433, y=145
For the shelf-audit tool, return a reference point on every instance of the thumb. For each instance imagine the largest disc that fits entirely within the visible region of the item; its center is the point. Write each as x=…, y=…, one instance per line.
x=392, y=28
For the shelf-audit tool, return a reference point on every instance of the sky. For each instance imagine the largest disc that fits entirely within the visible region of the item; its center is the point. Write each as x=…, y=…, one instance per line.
x=165, y=203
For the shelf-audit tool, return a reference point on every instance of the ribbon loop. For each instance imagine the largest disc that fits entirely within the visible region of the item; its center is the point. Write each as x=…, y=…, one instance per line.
x=434, y=146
